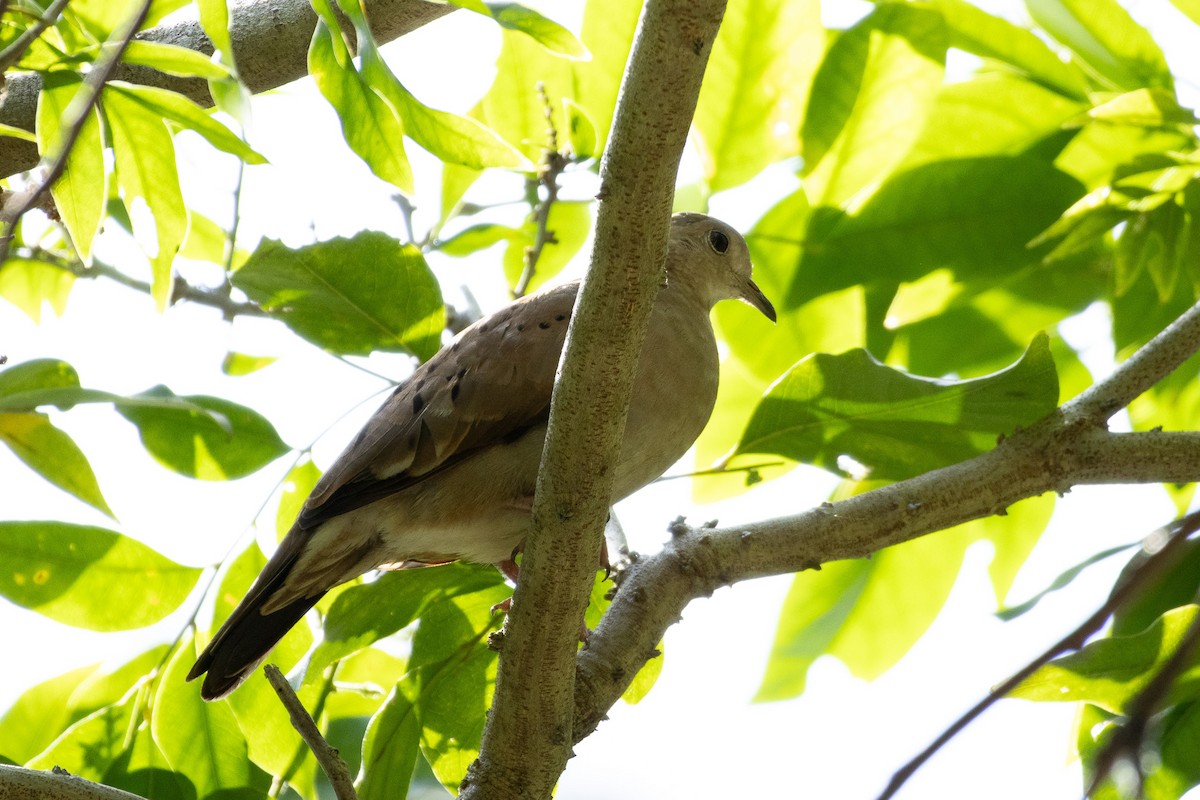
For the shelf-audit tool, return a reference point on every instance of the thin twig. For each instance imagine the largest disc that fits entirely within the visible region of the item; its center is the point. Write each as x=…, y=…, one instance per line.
x=182, y=290
x=226, y=292
x=331, y=763
x=1150, y=364
x=78, y=111
x=284, y=778
x=552, y=165
x=1152, y=568
x=406, y=213
x=1126, y=741
x=12, y=54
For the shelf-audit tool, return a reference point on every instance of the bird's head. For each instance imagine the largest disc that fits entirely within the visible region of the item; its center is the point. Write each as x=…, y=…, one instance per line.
x=717, y=261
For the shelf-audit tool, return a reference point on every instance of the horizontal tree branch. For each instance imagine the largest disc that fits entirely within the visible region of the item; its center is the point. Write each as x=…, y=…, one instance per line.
x=19, y=783
x=696, y=562
x=1068, y=448
x=270, y=44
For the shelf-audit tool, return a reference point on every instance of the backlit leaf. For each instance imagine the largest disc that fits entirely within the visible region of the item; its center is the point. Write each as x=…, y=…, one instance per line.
x=894, y=424
x=349, y=296
x=89, y=577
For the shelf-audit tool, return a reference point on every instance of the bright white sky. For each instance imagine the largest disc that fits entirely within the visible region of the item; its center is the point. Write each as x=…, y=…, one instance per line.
x=696, y=735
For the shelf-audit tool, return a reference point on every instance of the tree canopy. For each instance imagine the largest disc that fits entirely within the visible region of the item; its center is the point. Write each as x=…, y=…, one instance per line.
x=935, y=194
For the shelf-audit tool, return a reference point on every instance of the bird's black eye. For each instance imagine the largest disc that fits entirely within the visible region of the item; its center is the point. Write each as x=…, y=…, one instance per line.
x=718, y=240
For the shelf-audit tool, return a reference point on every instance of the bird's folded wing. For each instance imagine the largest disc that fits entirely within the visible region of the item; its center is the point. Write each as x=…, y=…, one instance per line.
x=488, y=387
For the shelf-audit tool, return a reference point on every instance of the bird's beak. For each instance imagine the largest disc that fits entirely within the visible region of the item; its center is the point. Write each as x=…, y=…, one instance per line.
x=755, y=297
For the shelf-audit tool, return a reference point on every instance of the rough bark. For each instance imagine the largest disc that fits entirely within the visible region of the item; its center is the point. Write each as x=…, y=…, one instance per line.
x=270, y=44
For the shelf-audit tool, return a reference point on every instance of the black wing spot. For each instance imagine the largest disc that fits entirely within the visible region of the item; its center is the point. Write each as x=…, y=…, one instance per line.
x=454, y=390
x=418, y=403
x=461, y=373
x=544, y=325
x=560, y=317
x=520, y=327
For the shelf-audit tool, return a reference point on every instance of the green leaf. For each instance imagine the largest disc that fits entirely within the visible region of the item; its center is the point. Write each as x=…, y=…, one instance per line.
x=971, y=215
x=39, y=715
x=1172, y=589
x=813, y=612
x=90, y=746
x=214, y=440
x=1110, y=672
x=108, y=684
x=974, y=30
x=894, y=424
x=1013, y=536
x=362, y=615
x=189, y=116
x=173, y=60
x=17, y=133
x=870, y=99
x=512, y=106
x=297, y=485
x=390, y=748
x=363, y=684
x=41, y=373
x=146, y=172
x=443, y=697
x=205, y=240
x=80, y=192
x=985, y=325
x=53, y=454
x=607, y=33
x=143, y=770
x=453, y=672
x=569, y=225
x=239, y=364
x=994, y=114
x=214, y=18
x=756, y=86
x=452, y=138
x=101, y=17
x=478, y=237
x=200, y=740
x=1064, y=579
x=29, y=285
x=89, y=577
x=868, y=614
x=1106, y=38
x=1189, y=7
x=369, y=124
x=1150, y=108
x=349, y=296
x=545, y=31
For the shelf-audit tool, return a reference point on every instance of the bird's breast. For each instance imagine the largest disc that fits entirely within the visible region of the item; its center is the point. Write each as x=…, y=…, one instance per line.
x=674, y=391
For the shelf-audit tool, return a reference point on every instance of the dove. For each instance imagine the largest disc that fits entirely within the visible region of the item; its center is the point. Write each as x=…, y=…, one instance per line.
x=445, y=470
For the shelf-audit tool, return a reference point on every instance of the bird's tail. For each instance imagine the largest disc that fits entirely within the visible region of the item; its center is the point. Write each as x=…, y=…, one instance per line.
x=248, y=635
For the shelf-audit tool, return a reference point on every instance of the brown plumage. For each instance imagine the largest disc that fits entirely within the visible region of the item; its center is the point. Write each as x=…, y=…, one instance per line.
x=446, y=468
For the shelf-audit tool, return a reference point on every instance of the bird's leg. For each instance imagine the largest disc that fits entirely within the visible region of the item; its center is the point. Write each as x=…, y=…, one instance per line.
x=510, y=570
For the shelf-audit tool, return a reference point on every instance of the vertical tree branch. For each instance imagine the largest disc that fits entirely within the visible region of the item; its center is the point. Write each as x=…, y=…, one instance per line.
x=527, y=739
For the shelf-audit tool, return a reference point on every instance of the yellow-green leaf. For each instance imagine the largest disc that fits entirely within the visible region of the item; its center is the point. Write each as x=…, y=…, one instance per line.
x=149, y=178
x=80, y=192
x=53, y=454
x=89, y=577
